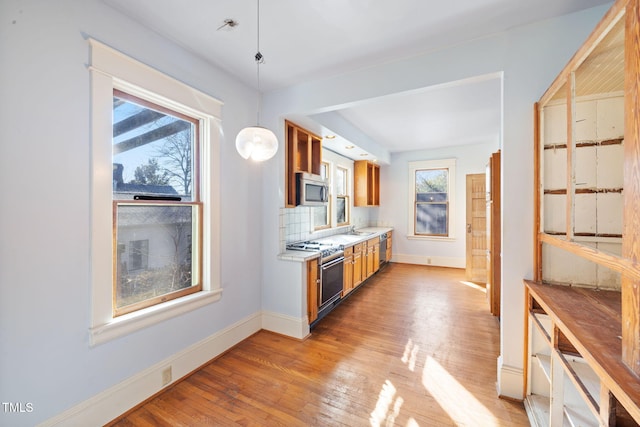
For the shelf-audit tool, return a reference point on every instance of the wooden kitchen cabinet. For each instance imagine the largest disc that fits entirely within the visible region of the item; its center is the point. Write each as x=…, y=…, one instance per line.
x=303, y=153
x=583, y=316
x=348, y=271
x=353, y=267
x=313, y=286
x=358, y=265
x=372, y=256
x=366, y=179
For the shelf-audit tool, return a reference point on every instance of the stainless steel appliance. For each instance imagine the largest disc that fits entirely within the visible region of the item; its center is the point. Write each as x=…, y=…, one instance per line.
x=331, y=272
x=383, y=249
x=311, y=190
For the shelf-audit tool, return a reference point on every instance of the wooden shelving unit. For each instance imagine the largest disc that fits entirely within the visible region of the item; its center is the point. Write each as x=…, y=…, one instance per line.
x=366, y=188
x=303, y=151
x=583, y=329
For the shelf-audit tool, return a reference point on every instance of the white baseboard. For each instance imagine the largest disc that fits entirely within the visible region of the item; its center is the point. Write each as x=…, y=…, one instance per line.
x=285, y=325
x=436, y=261
x=510, y=381
x=118, y=399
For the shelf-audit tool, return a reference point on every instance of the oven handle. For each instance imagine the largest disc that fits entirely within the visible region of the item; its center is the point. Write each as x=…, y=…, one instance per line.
x=332, y=263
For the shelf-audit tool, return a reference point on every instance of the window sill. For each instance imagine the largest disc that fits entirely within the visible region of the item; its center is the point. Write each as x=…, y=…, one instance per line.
x=128, y=323
x=431, y=238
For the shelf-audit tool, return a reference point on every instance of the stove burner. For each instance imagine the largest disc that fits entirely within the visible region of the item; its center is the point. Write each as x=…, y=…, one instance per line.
x=327, y=250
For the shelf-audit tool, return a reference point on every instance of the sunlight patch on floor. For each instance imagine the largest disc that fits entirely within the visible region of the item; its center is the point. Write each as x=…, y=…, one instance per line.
x=474, y=286
x=461, y=406
x=410, y=355
x=387, y=407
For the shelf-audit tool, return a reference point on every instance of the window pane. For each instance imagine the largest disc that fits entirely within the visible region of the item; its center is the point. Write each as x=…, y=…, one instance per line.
x=152, y=152
x=431, y=218
x=320, y=216
x=341, y=180
x=154, y=251
x=432, y=181
x=341, y=210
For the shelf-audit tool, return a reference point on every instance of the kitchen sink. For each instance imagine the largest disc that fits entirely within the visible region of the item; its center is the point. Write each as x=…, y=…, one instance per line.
x=345, y=239
x=362, y=233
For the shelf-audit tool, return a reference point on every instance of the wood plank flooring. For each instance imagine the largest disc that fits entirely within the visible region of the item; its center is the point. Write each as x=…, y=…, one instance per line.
x=413, y=346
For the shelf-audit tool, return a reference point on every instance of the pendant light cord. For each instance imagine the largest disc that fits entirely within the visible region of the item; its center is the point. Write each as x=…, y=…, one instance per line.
x=259, y=60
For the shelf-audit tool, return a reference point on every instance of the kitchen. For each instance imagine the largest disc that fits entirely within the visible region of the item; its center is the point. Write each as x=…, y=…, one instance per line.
x=47, y=239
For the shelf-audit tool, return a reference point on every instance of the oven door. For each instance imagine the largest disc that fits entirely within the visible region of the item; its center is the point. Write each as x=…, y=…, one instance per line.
x=331, y=275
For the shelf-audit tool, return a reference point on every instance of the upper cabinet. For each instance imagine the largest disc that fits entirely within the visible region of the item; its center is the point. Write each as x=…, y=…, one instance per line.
x=303, y=151
x=587, y=131
x=366, y=179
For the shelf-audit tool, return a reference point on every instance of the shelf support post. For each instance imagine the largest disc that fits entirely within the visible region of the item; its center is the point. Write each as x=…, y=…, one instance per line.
x=631, y=241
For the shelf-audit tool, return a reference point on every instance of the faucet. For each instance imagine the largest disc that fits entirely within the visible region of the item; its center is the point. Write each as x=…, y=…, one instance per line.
x=352, y=229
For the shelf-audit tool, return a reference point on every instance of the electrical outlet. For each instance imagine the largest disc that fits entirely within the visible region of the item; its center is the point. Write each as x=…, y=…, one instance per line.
x=166, y=376
x=428, y=260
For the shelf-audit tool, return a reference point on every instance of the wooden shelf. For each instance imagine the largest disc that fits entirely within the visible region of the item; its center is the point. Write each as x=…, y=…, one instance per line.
x=591, y=320
x=366, y=188
x=303, y=153
x=545, y=364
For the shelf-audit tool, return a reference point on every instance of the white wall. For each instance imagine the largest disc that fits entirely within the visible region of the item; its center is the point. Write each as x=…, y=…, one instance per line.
x=394, y=208
x=45, y=357
x=530, y=58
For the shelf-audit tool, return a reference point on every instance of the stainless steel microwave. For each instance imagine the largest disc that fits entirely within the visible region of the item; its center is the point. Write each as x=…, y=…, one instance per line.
x=311, y=190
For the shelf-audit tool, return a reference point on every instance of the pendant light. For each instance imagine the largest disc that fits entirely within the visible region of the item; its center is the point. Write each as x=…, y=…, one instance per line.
x=257, y=142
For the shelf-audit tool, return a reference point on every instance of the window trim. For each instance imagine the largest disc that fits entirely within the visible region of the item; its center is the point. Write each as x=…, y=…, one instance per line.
x=195, y=203
x=111, y=69
x=450, y=165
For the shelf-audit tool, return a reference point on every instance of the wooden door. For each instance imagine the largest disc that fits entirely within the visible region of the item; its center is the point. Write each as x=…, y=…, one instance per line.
x=494, y=233
x=476, y=268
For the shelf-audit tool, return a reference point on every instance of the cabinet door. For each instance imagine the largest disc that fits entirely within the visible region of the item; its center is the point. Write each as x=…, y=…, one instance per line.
x=347, y=282
x=357, y=268
x=376, y=257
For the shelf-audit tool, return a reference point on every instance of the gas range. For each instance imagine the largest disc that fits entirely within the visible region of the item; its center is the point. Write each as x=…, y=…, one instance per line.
x=328, y=251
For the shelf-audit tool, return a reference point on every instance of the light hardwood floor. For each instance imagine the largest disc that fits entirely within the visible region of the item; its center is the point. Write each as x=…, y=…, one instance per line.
x=414, y=346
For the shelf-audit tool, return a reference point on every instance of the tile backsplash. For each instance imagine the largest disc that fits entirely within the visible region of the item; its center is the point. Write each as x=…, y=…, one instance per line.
x=296, y=224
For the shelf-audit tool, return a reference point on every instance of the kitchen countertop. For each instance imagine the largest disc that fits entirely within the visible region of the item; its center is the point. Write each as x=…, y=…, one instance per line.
x=353, y=239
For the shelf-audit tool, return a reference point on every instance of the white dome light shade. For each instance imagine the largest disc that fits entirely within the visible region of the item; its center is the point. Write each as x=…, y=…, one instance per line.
x=256, y=142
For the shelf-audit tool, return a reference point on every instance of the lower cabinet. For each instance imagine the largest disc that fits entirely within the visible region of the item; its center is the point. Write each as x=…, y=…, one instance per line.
x=313, y=284
x=355, y=266
x=372, y=263
x=358, y=277
x=361, y=261
x=348, y=271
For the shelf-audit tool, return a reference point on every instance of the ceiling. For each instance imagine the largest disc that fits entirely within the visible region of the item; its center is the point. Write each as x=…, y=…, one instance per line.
x=314, y=39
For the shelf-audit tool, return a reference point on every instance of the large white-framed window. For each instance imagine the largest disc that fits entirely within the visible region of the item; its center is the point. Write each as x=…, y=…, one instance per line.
x=125, y=224
x=432, y=199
